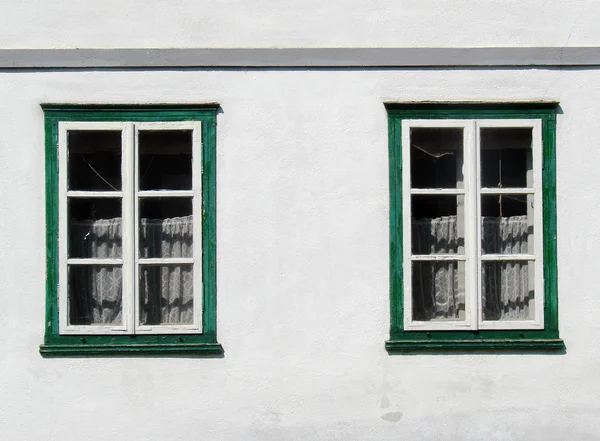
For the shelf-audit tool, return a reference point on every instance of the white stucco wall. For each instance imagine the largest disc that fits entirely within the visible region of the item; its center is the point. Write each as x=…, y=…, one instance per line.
x=294, y=23
x=303, y=265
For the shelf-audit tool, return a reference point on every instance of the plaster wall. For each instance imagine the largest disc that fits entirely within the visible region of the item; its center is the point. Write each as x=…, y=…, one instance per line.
x=302, y=257
x=293, y=23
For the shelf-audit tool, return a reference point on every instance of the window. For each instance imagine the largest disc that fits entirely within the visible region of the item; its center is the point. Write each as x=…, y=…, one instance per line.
x=130, y=204
x=472, y=227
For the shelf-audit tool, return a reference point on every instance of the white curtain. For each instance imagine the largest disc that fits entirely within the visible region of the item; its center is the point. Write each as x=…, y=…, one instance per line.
x=506, y=287
x=438, y=287
x=166, y=292
x=435, y=285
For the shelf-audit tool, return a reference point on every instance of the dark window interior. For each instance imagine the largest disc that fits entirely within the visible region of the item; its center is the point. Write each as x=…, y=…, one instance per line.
x=165, y=160
x=94, y=160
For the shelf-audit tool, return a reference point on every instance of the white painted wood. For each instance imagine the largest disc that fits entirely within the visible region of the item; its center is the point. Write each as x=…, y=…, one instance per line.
x=198, y=217
x=64, y=261
x=166, y=193
x=196, y=195
x=406, y=225
x=95, y=330
x=128, y=216
x=166, y=261
x=461, y=224
x=476, y=265
x=538, y=217
x=93, y=261
x=63, y=299
x=473, y=256
x=169, y=329
x=94, y=194
x=92, y=125
x=514, y=324
x=504, y=190
x=537, y=256
x=136, y=228
x=437, y=257
x=440, y=325
x=408, y=258
x=438, y=191
x=130, y=196
x=166, y=125
x=472, y=198
x=506, y=257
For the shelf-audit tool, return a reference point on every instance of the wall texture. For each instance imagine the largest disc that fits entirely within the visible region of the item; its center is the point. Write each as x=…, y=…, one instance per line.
x=293, y=23
x=302, y=241
x=303, y=264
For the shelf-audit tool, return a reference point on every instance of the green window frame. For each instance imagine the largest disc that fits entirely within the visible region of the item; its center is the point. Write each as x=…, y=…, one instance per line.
x=203, y=342
x=423, y=340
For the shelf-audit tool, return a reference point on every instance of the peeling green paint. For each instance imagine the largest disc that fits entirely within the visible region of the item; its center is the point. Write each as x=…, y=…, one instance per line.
x=198, y=344
x=546, y=339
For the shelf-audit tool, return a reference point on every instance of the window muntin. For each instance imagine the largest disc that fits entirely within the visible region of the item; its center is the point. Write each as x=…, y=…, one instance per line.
x=109, y=198
x=486, y=176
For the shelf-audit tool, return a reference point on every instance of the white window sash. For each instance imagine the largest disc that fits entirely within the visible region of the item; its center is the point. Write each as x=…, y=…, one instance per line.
x=472, y=192
x=538, y=235
x=130, y=229
x=470, y=318
x=196, y=260
x=127, y=214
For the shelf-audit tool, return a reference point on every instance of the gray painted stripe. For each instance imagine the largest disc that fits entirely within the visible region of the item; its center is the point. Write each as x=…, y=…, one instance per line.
x=297, y=58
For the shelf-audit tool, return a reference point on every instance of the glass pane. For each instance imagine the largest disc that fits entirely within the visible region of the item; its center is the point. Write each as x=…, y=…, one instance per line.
x=94, y=160
x=165, y=159
x=508, y=290
x=166, y=227
x=95, y=228
x=507, y=224
x=166, y=294
x=506, y=157
x=437, y=224
x=436, y=158
x=438, y=291
x=95, y=295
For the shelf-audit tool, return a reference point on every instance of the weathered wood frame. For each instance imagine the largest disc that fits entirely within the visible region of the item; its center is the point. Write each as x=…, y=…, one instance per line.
x=402, y=340
x=204, y=343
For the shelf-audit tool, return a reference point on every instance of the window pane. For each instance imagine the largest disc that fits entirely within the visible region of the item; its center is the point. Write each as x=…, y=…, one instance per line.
x=436, y=158
x=507, y=224
x=165, y=159
x=507, y=290
x=94, y=160
x=95, y=228
x=95, y=295
x=438, y=291
x=166, y=294
x=437, y=224
x=166, y=227
x=506, y=157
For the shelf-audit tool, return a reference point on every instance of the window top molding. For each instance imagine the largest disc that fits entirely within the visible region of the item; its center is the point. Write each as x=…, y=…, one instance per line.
x=129, y=112
x=138, y=107
x=473, y=109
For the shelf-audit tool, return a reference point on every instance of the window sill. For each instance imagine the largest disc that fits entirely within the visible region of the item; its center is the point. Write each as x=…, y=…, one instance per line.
x=196, y=349
x=130, y=345
x=521, y=345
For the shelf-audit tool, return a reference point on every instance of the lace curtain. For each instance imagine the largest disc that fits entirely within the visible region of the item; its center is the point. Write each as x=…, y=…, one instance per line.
x=438, y=287
x=166, y=292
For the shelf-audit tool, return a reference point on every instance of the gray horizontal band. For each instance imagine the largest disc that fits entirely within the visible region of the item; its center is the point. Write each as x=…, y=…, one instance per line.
x=298, y=58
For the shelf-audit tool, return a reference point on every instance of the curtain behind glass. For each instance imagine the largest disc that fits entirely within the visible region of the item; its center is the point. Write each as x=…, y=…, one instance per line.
x=436, y=282
x=97, y=290
x=506, y=287
x=166, y=291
